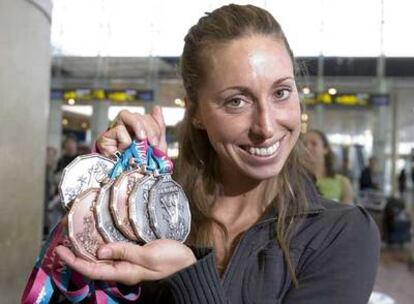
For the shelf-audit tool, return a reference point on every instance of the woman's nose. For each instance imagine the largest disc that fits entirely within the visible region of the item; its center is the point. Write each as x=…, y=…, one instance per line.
x=263, y=124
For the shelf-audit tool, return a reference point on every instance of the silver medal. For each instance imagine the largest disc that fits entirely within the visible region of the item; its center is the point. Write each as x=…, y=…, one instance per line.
x=83, y=173
x=169, y=210
x=104, y=220
x=138, y=209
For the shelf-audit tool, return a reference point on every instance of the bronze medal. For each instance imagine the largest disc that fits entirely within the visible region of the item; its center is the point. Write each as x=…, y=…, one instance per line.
x=82, y=229
x=119, y=201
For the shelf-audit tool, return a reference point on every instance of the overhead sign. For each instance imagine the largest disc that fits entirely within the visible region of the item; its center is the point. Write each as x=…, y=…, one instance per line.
x=101, y=94
x=344, y=99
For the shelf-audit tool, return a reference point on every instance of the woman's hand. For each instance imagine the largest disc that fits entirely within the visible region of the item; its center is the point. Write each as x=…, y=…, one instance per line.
x=131, y=264
x=128, y=126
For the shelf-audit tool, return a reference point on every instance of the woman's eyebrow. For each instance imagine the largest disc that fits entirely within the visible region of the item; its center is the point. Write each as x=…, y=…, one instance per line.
x=280, y=80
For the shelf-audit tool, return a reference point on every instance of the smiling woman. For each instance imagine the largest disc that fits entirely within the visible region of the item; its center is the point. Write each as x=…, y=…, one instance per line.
x=260, y=232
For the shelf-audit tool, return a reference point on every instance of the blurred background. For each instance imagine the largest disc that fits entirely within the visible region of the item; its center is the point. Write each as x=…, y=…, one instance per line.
x=67, y=67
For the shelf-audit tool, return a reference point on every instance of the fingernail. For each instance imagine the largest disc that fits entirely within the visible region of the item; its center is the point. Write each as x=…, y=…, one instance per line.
x=104, y=253
x=142, y=134
x=154, y=141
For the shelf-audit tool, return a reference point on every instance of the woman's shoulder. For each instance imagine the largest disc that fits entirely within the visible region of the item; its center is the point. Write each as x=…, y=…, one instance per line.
x=338, y=223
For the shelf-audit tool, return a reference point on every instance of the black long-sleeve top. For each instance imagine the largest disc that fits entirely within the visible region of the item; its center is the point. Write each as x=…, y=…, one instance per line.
x=335, y=251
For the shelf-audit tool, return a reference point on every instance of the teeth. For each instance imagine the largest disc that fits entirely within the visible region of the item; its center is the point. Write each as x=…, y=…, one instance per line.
x=264, y=151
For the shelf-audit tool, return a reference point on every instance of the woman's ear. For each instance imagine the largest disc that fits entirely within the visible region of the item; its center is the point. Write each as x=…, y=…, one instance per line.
x=194, y=114
x=197, y=124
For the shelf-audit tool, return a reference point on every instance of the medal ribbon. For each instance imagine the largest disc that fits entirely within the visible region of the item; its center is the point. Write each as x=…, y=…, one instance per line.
x=142, y=153
x=49, y=273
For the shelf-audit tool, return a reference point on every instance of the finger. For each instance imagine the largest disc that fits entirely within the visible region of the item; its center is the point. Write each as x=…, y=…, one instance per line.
x=89, y=269
x=123, y=137
x=123, y=272
x=133, y=122
x=121, y=251
x=159, y=119
x=152, y=129
x=114, y=139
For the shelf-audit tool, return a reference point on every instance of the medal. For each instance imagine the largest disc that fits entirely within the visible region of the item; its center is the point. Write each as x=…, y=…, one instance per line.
x=104, y=220
x=119, y=201
x=138, y=209
x=168, y=209
x=83, y=233
x=83, y=173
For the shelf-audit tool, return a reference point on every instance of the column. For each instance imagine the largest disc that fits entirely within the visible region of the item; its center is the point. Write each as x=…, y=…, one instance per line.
x=24, y=107
x=319, y=122
x=99, y=119
x=54, y=134
x=381, y=138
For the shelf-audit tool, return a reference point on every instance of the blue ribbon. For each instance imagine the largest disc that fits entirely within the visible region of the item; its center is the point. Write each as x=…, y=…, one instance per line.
x=142, y=153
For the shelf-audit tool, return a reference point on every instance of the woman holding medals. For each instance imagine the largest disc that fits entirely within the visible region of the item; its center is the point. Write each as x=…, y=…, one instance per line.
x=260, y=232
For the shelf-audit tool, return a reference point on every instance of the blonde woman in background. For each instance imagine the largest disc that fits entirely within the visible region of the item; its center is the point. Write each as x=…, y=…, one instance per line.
x=330, y=184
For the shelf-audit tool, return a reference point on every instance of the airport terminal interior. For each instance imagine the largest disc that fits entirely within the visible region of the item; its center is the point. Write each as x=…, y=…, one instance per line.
x=68, y=67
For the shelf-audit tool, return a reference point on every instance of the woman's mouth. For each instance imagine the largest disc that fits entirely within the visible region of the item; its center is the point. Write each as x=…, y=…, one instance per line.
x=262, y=151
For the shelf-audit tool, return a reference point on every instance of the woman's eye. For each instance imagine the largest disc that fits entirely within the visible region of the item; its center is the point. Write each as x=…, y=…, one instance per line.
x=282, y=93
x=235, y=103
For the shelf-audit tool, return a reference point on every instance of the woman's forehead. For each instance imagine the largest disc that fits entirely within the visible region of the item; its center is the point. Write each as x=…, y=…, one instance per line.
x=247, y=56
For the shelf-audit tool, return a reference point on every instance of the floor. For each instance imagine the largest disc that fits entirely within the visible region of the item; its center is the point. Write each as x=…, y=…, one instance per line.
x=394, y=277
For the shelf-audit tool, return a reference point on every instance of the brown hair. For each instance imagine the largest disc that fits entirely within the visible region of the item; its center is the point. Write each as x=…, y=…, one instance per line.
x=329, y=158
x=197, y=165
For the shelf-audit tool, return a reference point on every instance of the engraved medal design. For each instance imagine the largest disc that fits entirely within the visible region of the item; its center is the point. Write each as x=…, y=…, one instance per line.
x=84, y=172
x=119, y=201
x=138, y=209
x=104, y=221
x=82, y=229
x=169, y=211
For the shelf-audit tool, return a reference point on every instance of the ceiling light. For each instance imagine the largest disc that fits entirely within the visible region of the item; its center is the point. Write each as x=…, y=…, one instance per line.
x=332, y=91
x=306, y=90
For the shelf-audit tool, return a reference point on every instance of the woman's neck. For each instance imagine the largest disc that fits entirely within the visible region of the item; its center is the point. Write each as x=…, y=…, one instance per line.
x=241, y=199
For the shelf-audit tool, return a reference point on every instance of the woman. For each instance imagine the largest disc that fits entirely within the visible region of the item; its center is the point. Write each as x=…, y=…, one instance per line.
x=241, y=165
x=330, y=184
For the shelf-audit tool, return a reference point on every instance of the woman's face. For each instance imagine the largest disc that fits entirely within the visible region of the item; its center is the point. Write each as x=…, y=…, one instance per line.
x=315, y=146
x=249, y=106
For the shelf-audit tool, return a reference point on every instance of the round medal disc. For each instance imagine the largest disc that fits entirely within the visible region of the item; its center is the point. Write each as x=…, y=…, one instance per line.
x=169, y=210
x=82, y=229
x=84, y=172
x=138, y=209
x=104, y=220
x=119, y=201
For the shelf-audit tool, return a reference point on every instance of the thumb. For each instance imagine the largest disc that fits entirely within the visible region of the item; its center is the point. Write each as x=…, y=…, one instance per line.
x=120, y=251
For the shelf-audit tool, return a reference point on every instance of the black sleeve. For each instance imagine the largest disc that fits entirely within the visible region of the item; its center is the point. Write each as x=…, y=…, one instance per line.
x=343, y=269
x=199, y=283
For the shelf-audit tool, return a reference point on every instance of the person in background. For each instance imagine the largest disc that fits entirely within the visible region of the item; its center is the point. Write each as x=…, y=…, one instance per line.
x=84, y=149
x=368, y=179
x=402, y=182
x=330, y=184
x=70, y=152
